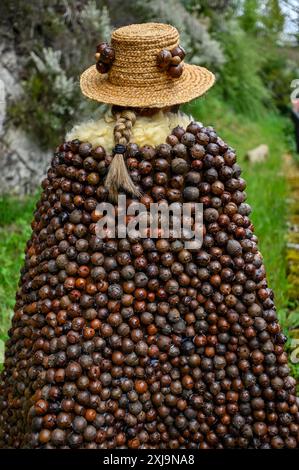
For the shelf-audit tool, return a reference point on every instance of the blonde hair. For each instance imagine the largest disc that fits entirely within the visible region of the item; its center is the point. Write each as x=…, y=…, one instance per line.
x=149, y=129
x=118, y=176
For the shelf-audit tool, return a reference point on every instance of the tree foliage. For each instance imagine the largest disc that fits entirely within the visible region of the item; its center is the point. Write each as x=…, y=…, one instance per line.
x=250, y=16
x=54, y=42
x=273, y=18
x=240, y=80
x=239, y=40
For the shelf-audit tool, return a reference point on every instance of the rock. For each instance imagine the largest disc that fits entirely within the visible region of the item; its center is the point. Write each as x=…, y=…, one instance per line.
x=22, y=163
x=10, y=87
x=258, y=154
x=2, y=106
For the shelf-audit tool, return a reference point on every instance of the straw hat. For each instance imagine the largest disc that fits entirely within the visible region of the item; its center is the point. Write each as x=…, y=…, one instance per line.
x=135, y=79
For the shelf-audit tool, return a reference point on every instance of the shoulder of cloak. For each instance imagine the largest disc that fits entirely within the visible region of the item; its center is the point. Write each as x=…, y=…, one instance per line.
x=146, y=131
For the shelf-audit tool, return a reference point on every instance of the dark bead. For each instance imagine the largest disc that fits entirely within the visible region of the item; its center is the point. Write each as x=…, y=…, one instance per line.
x=178, y=51
x=175, y=71
x=188, y=139
x=163, y=58
x=102, y=67
x=107, y=54
x=191, y=193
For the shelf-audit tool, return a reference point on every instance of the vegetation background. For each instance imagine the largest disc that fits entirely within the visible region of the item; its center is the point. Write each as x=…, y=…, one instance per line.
x=251, y=46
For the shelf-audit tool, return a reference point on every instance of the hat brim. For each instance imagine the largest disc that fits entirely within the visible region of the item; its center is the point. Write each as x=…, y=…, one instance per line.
x=194, y=82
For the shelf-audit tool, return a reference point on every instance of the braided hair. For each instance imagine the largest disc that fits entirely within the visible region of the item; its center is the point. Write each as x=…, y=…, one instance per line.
x=118, y=176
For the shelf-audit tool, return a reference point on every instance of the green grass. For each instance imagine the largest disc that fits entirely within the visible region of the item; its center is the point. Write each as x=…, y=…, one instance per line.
x=15, y=219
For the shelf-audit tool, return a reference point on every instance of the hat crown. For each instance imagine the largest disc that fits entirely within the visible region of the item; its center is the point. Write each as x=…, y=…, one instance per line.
x=136, y=48
x=146, y=33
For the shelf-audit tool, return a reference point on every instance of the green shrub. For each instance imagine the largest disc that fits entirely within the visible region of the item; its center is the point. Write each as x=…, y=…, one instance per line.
x=277, y=74
x=239, y=79
x=49, y=99
x=52, y=37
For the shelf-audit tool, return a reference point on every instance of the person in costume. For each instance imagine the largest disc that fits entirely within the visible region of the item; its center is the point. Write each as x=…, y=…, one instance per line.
x=139, y=342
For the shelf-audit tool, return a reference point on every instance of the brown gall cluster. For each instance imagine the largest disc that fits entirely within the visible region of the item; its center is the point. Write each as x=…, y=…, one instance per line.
x=104, y=56
x=141, y=343
x=172, y=61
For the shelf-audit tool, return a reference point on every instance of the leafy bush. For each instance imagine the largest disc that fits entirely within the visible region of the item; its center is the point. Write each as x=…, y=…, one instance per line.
x=240, y=79
x=49, y=97
x=49, y=41
x=277, y=74
x=237, y=40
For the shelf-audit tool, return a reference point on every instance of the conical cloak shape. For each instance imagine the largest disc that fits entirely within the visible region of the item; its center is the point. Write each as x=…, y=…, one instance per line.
x=141, y=343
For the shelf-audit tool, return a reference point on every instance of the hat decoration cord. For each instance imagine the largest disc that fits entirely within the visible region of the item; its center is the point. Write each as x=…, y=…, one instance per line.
x=118, y=176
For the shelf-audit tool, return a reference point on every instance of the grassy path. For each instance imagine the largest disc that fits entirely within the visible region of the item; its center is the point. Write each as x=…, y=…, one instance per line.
x=292, y=176
x=291, y=315
x=15, y=230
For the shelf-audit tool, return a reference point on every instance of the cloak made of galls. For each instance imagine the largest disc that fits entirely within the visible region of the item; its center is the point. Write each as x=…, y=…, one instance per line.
x=142, y=343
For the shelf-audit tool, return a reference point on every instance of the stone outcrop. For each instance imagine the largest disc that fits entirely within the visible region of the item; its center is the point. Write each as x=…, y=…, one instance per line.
x=22, y=162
